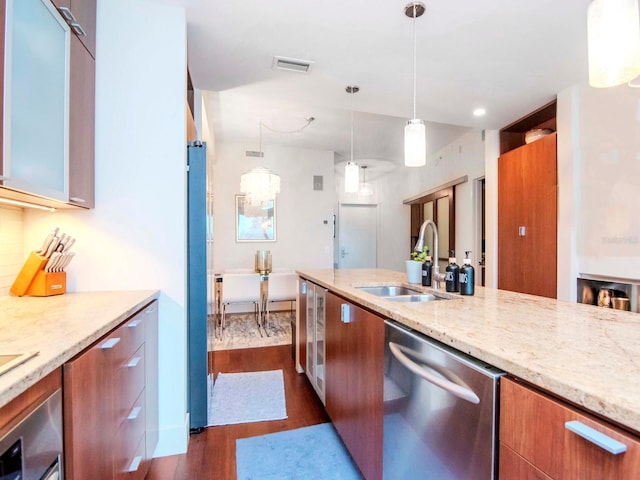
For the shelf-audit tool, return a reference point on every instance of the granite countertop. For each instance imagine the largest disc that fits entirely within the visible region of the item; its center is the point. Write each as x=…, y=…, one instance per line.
x=58, y=327
x=587, y=355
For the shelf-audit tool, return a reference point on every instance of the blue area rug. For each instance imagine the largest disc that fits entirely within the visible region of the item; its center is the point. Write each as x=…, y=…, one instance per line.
x=314, y=453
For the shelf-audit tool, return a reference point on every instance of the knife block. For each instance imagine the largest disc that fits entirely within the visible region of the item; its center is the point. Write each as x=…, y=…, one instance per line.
x=34, y=281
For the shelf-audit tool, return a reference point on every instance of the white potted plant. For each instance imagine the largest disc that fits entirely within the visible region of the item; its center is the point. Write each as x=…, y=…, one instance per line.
x=414, y=266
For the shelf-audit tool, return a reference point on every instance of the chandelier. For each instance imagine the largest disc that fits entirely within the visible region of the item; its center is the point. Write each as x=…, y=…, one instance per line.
x=259, y=185
x=614, y=42
x=351, y=169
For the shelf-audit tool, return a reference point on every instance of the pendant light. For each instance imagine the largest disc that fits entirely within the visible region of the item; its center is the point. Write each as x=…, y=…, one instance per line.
x=415, y=142
x=259, y=184
x=614, y=42
x=351, y=170
x=365, y=189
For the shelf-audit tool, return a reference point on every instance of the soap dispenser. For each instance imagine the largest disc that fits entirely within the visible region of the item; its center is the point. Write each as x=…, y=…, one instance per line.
x=452, y=273
x=427, y=267
x=467, y=276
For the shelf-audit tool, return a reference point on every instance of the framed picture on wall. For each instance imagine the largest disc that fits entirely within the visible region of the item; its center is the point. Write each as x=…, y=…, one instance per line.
x=255, y=223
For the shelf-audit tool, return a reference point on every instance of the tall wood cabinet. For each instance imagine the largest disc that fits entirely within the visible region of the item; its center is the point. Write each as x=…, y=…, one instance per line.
x=527, y=209
x=110, y=403
x=354, y=376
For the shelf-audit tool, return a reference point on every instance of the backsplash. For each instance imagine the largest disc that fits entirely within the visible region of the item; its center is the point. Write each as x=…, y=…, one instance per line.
x=11, y=246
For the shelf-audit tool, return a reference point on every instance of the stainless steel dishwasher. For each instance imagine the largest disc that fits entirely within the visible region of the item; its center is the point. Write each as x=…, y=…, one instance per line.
x=440, y=410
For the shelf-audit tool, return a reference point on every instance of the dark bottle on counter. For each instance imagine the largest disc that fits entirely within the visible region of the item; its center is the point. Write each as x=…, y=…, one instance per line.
x=426, y=272
x=452, y=273
x=466, y=276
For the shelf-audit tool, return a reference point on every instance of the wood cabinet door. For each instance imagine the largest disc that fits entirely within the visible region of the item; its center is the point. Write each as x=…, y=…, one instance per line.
x=354, y=371
x=85, y=13
x=88, y=384
x=527, y=199
x=533, y=426
x=514, y=467
x=81, y=126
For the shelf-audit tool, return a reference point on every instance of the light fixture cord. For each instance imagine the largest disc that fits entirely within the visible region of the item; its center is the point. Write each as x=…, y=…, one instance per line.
x=308, y=122
x=414, y=61
x=352, y=131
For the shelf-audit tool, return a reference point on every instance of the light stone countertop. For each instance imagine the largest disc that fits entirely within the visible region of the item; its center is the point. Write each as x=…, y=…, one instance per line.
x=585, y=354
x=58, y=327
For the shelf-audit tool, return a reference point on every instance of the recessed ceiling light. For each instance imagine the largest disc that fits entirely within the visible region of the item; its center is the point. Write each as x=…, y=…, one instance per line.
x=479, y=112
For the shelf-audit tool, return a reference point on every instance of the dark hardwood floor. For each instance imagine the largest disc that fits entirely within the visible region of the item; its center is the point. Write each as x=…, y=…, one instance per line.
x=212, y=453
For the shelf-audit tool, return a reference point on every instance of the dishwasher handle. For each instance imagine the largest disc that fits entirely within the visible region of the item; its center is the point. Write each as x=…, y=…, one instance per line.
x=451, y=383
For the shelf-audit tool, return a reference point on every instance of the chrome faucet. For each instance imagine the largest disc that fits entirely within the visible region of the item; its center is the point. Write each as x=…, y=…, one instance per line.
x=437, y=277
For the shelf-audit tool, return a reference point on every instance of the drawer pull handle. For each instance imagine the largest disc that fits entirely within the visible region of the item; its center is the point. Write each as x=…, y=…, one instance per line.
x=135, y=323
x=600, y=439
x=77, y=199
x=134, y=362
x=78, y=29
x=135, y=464
x=345, y=313
x=150, y=310
x=134, y=413
x=112, y=342
x=68, y=15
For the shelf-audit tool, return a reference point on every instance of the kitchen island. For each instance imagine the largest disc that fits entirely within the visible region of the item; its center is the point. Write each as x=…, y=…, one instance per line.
x=58, y=328
x=583, y=354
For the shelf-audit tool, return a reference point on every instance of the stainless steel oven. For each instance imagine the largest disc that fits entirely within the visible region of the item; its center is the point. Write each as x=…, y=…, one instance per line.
x=32, y=449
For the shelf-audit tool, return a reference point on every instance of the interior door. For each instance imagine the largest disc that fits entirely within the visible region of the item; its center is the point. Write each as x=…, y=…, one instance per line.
x=357, y=232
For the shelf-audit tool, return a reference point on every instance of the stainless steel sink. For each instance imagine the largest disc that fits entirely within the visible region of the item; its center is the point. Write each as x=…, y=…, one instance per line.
x=423, y=297
x=397, y=293
x=389, y=290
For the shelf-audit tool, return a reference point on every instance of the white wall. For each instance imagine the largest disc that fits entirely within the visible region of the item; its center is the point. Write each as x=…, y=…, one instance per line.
x=464, y=156
x=135, y=236
x=11, y=246
x=303, y=239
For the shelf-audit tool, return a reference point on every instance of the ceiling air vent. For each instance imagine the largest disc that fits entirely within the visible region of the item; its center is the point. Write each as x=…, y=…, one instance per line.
x=253, y=153
x=291, y=64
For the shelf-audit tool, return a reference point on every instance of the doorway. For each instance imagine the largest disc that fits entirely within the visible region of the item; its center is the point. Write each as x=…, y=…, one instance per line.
x=357, y=236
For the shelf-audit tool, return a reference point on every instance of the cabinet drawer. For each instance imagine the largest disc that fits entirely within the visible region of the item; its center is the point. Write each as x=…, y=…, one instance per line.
x=513, y=466
x=128, y=439
x=533, y=426
x=129, y=383
x=132, y=332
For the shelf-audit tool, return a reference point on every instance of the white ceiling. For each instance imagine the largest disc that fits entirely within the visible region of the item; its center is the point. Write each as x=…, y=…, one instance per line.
x=508, y=56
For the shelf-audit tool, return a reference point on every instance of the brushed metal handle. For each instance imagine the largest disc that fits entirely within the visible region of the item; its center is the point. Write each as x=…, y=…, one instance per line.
x=134, y=413
x=134, y=362
x=68, y=14
x=303, y=288
x=450, y=383
x=78, y=29
x=150, y=310
x=135, y=464
x=112, y=342
x=77, y=200
x=345, y=313
x=597, y=438
x=134, y=323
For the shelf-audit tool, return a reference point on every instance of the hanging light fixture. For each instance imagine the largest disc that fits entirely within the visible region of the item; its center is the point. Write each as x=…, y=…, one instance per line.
x=415, y=142
x=366, y=190
x=351, y=170
x=614, y=42
x=259, y=184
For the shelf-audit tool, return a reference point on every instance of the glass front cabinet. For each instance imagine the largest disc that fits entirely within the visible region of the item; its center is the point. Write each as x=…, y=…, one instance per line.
x=315, y=317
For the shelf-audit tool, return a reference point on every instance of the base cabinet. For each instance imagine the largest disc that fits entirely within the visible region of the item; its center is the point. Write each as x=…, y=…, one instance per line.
x=354, y=377
x=535, y=442
x=110, y=403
